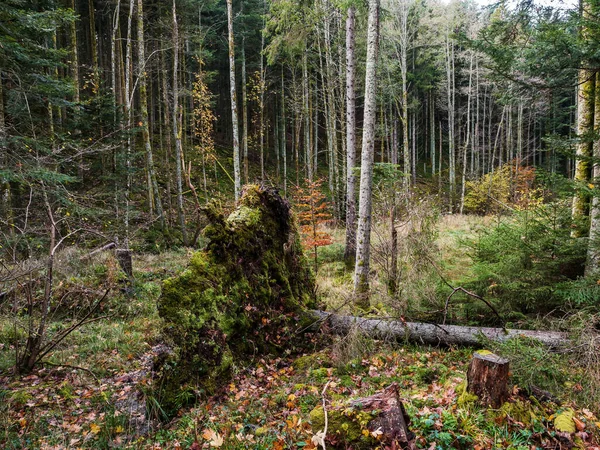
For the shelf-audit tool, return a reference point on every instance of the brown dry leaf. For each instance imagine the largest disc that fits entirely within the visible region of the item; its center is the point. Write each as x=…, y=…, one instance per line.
x=579, y=424
x=214, y=439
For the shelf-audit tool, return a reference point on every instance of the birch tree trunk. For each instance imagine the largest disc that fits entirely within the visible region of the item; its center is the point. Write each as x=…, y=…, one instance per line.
x=153, y=193
x=361, y=280
x=177, y=129
x=234, y=112
x=350, y=252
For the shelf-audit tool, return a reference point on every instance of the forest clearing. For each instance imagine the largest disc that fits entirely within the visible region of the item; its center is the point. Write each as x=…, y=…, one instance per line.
x=319, y=224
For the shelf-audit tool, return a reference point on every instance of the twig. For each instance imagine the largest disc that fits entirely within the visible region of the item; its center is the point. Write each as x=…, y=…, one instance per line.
x=319, y=437
x=461, y=289
x=69, y=366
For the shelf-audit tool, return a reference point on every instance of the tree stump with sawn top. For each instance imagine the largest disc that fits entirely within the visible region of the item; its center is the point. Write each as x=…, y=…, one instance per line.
x=487, y=378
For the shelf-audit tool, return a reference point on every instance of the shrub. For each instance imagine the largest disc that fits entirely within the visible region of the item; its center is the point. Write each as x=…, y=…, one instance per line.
x=510, y=186
x=521, y=261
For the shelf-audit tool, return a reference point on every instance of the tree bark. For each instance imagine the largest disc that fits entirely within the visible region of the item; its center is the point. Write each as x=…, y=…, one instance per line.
x=350, y=251
x=487, y=378
x=593, y=251
x=432, y=334
x=361, y=276
x=154, y=196
x=177, y=129
x=244, y=111
x=234, y=112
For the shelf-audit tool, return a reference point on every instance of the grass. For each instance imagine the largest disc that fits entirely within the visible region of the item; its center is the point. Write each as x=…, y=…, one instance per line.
x=267, y=404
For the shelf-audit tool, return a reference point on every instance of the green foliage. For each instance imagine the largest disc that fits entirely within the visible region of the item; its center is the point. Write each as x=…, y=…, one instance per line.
x=532, y=364
x=520, y=260
x=510, y=186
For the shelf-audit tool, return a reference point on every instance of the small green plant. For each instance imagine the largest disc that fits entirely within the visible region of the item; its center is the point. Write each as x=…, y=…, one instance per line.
x=522, y=260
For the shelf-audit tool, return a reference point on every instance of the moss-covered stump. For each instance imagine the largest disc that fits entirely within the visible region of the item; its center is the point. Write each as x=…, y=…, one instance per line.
x=365, y=423
x=239, y=297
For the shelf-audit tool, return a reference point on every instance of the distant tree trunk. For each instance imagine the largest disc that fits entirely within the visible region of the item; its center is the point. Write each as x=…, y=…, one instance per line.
x=244, y=111
x=361, y=281
x=5, y=193
x=94, y=48
x=306, y=114
x=234, y=112
x=153, y=192
x=177, y=129
x=263, y=76
x=432, y=130
x=593, y=252
x=167, y=126
x=128, y=115
x=451, y=123
x=74, y=58
x=283, y=135
x=350, y=252
x=113, y=58
x=585, y=123
x=468, y=137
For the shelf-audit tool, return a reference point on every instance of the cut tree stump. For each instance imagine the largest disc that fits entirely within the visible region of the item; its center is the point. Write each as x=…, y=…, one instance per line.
x=125, y=261
x=365, y=423
x=487, y=378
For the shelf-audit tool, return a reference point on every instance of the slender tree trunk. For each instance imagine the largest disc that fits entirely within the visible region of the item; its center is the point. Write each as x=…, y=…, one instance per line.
x=177, y=114
x=234, y=112
x=128, y=115
x=585, y=122
x=263, y=76
x=113, y=58
x=244, y=111
x=361, y=281
x=468, y=137
x=306, y=114
x=94, y=48
x=432, y=149
x=350, y=252
x=593, y=252
x=167, y=126
x=283, y=135
x=153, y=193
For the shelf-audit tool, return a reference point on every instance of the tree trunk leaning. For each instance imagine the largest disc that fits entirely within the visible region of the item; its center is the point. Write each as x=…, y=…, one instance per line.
x=487, y=378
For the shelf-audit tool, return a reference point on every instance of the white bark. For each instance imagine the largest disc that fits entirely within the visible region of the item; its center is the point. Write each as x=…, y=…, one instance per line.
x=350, y=252
x=361, y=281
x=234, y=112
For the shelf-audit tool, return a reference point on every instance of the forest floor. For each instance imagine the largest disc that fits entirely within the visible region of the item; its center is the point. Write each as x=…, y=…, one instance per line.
x=95, y=391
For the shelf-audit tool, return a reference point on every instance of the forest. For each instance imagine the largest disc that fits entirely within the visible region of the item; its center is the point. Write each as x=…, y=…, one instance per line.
x=269, y=224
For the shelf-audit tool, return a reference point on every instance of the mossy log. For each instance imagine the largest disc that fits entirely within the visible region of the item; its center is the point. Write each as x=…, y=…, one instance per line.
x=487, y=378
x=240, y=296
x=378, y=421
x=433, y=334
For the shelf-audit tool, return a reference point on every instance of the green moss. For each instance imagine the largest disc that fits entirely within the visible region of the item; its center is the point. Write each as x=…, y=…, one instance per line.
x=242, y=295
x=520, y=411
x=464, y=398
x=564, y=421
x=344, y=426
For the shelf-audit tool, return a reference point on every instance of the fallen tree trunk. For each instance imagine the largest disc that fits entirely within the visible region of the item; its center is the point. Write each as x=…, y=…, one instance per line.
x=426, y=333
